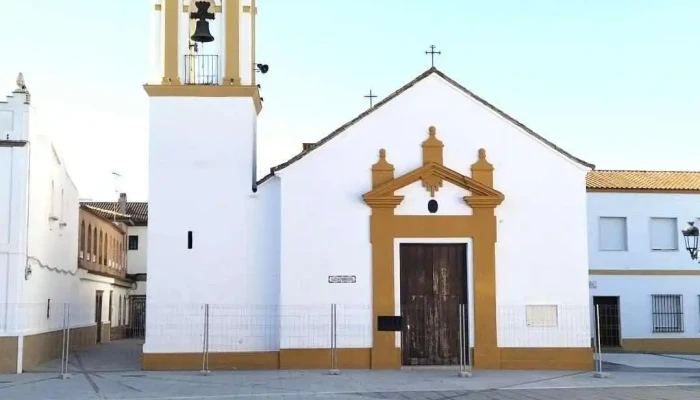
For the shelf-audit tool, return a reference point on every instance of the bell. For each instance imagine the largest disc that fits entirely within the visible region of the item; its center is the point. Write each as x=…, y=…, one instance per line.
x=201, y=32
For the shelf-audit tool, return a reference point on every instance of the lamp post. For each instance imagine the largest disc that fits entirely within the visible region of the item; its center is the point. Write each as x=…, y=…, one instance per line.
x=691, y=234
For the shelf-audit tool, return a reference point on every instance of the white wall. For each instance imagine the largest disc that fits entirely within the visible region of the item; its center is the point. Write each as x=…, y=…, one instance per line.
x=136, y=259
x=83, y=313
x=416, y=197
x=638, y=208
x=53, y=226
x=636, y=304
x=14, y=191
x=200, y=180
x=39, y=189
x=542, y=255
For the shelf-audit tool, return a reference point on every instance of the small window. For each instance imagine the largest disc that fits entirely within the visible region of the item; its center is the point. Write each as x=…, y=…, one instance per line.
x=189, y=239
x=133, y=242
x=613, y=233
x=663, y=233
x=541, y=316
x=48, y=309
x=432, y=206
x=667, y=313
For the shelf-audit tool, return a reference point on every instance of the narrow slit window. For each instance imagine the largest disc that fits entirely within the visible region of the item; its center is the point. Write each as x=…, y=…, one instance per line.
x=189, y=239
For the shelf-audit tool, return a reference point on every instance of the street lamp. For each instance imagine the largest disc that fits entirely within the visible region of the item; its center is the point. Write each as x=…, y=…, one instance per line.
x=690, y=234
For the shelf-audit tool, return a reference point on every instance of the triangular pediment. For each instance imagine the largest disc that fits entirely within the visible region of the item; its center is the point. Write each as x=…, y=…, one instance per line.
x=480, y=193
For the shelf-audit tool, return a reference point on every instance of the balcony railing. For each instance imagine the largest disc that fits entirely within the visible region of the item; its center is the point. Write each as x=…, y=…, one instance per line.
x=202, y=70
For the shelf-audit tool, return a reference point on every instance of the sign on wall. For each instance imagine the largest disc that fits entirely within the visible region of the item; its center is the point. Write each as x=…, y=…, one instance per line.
x=342, y=279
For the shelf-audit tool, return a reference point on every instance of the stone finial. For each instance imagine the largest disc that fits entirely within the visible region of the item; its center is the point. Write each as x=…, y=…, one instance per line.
x=22, y=89
x=382, y=171
x=482, y=170
x=20, y=82
x=432, y=148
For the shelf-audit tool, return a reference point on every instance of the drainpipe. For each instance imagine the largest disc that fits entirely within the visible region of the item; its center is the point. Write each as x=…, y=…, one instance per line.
x=255, y=155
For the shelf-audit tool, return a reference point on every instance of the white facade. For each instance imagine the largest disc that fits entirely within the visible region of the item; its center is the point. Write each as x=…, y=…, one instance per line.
x=524, y=277
x=38, y=226
x=84, y=313
x=263, y=260
x=203, y=152
x=137, y=258
x=639, y=235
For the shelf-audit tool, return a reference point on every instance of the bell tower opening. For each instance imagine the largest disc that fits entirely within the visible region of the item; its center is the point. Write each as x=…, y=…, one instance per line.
x=204, y=43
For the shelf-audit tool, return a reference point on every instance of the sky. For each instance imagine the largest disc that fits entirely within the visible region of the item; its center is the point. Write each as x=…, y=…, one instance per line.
x=615, y=83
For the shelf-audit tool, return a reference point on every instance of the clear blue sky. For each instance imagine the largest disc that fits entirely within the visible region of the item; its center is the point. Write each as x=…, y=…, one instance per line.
x=616, y=83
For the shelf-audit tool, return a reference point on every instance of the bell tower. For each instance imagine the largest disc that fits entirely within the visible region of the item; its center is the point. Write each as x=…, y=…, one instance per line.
x=203, y=108
x=203, y=42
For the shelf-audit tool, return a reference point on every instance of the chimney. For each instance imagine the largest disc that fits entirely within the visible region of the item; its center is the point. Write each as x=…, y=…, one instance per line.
x=122, y=203
x=307, y=146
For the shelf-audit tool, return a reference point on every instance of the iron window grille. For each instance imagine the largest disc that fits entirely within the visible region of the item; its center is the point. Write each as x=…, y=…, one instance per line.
x=667, y=313
x=133, y=242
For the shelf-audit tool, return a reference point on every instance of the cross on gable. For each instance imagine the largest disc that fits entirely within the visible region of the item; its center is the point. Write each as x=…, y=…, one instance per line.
x=432, y=53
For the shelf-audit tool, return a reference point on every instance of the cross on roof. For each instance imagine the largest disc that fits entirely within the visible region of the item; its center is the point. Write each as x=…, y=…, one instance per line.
x=432, y=53
x=371, y=98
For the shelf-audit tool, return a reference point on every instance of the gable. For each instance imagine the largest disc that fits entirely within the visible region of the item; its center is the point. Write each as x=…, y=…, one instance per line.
x=309, y=148
x=429, y=172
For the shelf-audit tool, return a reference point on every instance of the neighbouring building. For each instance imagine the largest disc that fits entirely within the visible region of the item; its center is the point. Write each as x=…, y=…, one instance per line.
x=430, y=199
x=38, y=240
x=132, y=217
x=641, y=277
x=62, y=265
x=102, y=259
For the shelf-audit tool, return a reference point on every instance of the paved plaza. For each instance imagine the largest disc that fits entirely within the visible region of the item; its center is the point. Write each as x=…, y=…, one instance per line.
x=356, y=385
x=111, y=372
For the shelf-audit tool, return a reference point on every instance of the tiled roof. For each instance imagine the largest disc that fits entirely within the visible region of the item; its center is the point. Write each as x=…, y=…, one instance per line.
x=309, y=147
x=136, y=211
x=620, y=180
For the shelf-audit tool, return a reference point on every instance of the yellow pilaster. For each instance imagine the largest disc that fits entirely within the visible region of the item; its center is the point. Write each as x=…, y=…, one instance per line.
x=170, y=43
x=232, y=17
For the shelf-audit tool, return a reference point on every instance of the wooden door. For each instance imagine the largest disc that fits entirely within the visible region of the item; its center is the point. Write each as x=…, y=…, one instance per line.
x=433, y=285
x=98, y=314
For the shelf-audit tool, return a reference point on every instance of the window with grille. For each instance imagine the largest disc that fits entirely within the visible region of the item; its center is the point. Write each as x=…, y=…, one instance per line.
x=667, y=313
x=133, y=242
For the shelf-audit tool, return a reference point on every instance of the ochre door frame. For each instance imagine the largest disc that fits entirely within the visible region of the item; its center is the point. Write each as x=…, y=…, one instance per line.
x=385, y=227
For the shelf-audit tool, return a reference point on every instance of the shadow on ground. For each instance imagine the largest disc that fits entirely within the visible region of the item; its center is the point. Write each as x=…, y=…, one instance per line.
x=117, y=356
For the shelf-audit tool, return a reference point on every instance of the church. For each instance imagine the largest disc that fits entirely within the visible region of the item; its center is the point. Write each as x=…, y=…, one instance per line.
x=431, y=199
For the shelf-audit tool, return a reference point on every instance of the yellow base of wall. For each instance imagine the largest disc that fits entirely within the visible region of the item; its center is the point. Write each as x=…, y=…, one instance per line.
x=665, y=345
x=577, y=358
x=580, y=359
x=42, y=347
x=8, y=355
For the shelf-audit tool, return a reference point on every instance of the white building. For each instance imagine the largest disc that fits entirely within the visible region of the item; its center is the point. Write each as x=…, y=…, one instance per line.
x=38, y=237
x=433, y=178
x=642, y=278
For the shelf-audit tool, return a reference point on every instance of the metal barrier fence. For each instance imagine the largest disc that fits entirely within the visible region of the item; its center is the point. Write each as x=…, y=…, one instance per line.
x=65, y=339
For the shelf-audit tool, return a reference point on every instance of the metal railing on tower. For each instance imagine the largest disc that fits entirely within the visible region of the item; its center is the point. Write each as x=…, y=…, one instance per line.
x=202, y=69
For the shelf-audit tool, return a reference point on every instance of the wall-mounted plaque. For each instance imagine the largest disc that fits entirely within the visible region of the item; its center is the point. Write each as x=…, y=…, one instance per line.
x=342, y=279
